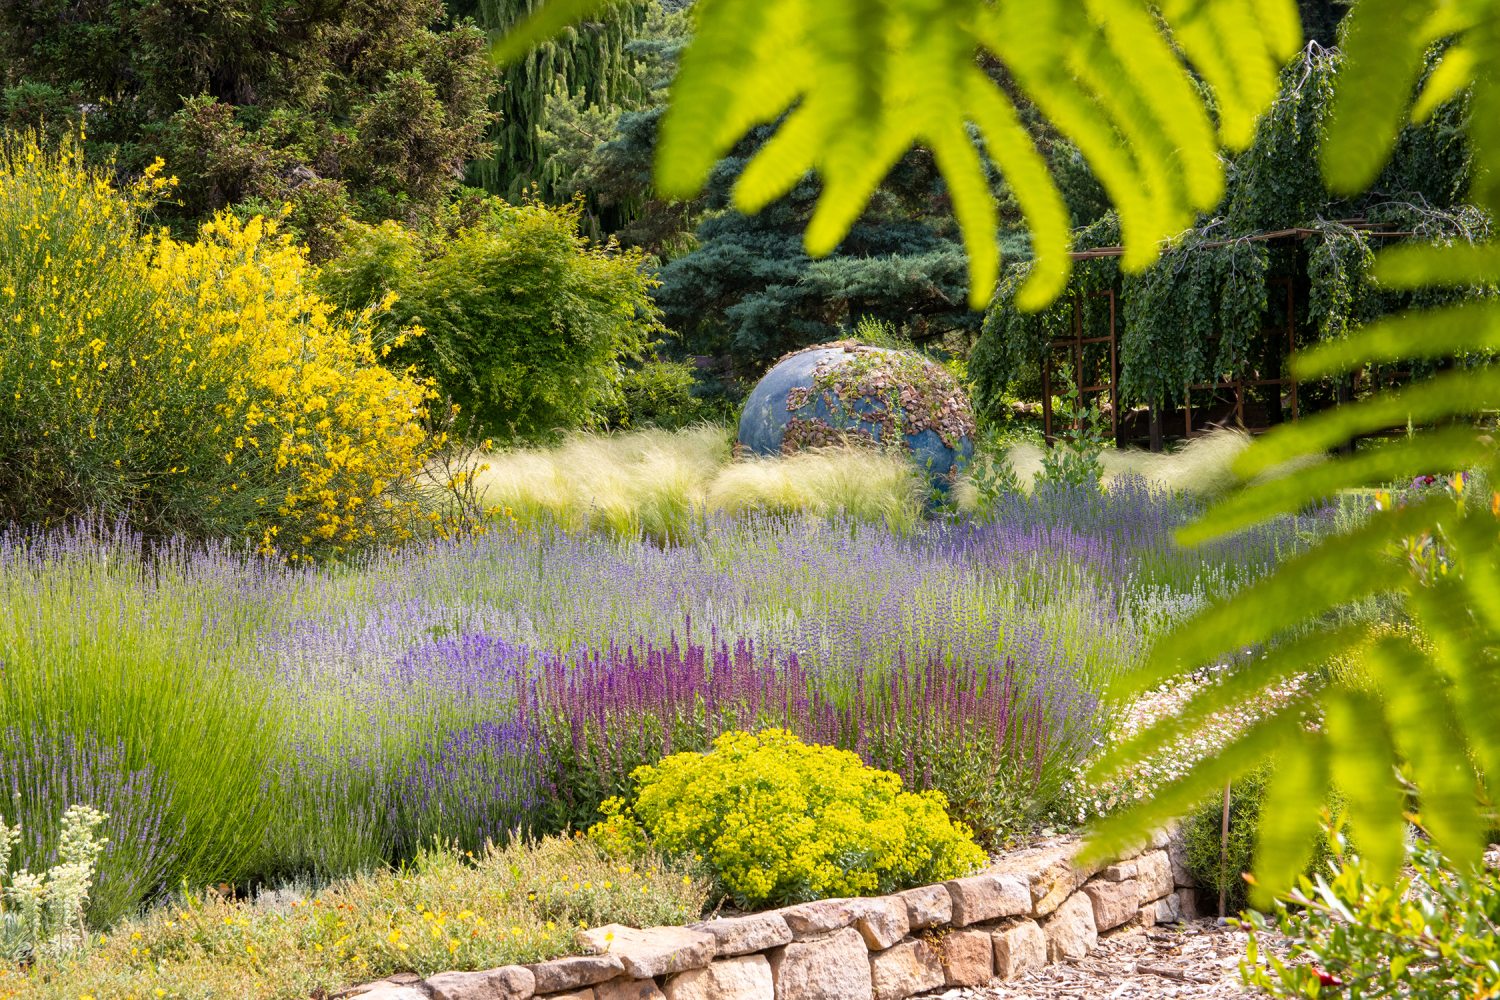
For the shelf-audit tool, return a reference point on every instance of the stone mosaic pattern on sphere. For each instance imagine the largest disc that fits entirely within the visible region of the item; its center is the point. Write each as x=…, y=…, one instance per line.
x=850, y=393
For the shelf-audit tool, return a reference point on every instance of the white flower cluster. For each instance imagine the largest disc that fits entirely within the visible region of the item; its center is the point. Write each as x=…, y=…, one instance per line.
x=1084, y=801
x=45, y=910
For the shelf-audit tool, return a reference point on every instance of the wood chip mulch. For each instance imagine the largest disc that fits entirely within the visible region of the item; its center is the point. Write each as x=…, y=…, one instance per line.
x=1193, y=961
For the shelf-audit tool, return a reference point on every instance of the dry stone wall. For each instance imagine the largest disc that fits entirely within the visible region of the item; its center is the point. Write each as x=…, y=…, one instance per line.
x=1029, y=909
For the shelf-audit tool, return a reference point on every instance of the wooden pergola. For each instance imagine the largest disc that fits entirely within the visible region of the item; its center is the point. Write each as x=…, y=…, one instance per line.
x=1069, y=350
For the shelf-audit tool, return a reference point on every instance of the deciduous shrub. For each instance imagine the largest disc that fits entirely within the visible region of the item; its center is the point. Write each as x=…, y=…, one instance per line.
x=193, y=387
x=528, y=325
x=657, y=393
x=778, y=821
x=1220, y=869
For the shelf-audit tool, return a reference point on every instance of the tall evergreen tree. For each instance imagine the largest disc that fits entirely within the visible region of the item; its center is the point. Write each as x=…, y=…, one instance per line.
x=367, y=106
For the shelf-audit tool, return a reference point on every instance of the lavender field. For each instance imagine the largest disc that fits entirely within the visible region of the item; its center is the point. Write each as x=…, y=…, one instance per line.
x=246, y=723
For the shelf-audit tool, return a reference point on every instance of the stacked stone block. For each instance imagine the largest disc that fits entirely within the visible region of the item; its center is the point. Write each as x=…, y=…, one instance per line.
x=1029, y=909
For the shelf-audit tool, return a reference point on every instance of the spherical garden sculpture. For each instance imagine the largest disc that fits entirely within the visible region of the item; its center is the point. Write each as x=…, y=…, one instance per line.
x=849, y=393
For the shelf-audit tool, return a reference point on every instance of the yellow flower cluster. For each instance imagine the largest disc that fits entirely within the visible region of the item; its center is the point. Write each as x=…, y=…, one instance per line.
x=304, y=403
x=778, y=821
x=197, y=386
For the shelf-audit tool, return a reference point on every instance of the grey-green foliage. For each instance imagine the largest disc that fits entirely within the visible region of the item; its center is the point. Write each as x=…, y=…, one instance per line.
x=864, y=79
x=1081, y=439
x=44, y=911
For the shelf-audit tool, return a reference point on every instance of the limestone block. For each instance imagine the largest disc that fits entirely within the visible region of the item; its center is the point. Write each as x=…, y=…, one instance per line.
x=1177, y=855
x=655, y=951
x=988, y=897
x=836, y=967
x=969, y=957
x=563, y=974
x=509, y=982
x=1070, y=930
x=928, y=906
x=1019, y=948
x=1119, y=872
x=1167, y=910
x=881, y=921
x=747, y=977
x=391, y=991
x=1187, y=904
x=812, y=919
x=742, y=935
x=1115, y=903
x=905, y=969
x=584, y=994
x=1154, y=873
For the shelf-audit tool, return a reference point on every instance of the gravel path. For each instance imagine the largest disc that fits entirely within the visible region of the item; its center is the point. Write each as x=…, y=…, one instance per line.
x=1196, y=961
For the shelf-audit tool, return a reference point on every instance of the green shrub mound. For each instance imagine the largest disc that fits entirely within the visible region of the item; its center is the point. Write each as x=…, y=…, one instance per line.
x=528, y=325
x=777, y=821
x=1219, y=870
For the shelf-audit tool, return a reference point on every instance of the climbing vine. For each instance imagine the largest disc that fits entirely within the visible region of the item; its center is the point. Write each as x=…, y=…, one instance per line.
x=872, y=396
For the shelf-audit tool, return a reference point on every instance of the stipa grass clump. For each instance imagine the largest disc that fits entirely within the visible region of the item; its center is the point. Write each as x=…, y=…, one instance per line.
x=1203, y=467
x=657, y=484
x=779, y=821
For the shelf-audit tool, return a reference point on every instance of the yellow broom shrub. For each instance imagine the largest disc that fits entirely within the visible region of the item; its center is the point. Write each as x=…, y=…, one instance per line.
x=196, y=387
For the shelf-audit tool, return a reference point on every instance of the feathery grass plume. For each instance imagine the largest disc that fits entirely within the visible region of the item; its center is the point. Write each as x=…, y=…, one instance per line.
x=653, y=483
x=848, y=482
x=1203, y=467
x=647, y=482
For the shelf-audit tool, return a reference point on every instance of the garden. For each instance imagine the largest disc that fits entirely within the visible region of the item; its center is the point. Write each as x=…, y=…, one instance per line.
x=487, y=492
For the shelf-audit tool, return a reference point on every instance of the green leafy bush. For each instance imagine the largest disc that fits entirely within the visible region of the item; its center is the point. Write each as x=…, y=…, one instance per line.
x=527, y=323
x=778, y=821
x=657, y=393
x=1431, y=934
x=1218, y=870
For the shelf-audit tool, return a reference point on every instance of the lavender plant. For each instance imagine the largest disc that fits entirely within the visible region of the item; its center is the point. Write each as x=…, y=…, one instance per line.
x=242, y=721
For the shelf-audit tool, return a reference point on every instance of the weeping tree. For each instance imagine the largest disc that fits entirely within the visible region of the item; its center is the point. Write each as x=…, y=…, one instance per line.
x=1201, y=313
x=588, y=62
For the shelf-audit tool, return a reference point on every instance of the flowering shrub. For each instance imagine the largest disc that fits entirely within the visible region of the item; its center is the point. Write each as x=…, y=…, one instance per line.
x=326, y=437
x=196, y=387
x=44, y=911
x=779, y=821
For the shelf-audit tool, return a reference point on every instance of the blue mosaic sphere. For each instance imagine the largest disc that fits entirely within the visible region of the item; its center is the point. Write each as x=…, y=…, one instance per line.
x=848, y=393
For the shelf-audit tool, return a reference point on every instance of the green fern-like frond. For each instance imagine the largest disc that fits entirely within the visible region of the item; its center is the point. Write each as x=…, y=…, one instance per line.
x=1417, y=725
x=851, y=85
